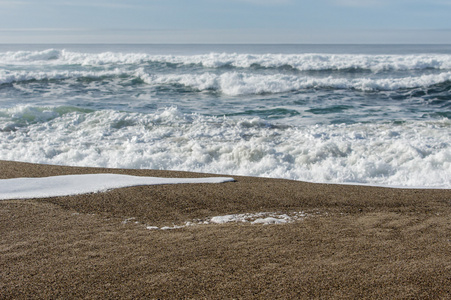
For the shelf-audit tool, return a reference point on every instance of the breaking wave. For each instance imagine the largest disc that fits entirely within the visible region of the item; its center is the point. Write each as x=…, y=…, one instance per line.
x=414, y=153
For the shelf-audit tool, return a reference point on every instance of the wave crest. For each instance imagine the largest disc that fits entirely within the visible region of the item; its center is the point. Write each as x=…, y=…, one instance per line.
x=234, y=83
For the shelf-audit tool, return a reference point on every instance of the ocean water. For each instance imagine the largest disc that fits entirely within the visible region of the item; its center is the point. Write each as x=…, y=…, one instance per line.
x=366, y=114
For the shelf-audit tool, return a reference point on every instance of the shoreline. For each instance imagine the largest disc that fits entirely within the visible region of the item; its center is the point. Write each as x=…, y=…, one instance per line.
x=179, y=174
x=348, y=242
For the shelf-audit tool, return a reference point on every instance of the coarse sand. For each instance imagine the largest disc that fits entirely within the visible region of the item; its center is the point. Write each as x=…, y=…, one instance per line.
x=351, y=241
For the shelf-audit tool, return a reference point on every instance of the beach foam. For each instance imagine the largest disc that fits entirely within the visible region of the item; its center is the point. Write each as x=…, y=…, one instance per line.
x=261, y=218
x=67, y=185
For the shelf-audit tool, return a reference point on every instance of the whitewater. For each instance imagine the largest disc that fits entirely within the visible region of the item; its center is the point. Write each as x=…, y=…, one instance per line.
x=374, y=115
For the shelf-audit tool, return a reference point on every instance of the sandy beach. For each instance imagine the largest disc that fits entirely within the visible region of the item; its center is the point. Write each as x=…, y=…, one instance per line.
x=351, y=241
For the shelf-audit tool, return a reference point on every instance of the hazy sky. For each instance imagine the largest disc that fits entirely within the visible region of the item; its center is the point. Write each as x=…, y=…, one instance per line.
x=225, y=21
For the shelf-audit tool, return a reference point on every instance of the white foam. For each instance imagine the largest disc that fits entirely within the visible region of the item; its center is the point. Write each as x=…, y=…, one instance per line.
x=415, y=154
x=257, y=218
x=270, y=220
x=66, y=185
x=228, y=219
x=262, y=218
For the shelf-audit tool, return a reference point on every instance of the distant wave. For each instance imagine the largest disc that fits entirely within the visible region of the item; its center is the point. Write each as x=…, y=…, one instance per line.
x=300, y=62
x=234, y=83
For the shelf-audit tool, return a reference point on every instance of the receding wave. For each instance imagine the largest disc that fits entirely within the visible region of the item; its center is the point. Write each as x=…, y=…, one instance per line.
x=301, y=62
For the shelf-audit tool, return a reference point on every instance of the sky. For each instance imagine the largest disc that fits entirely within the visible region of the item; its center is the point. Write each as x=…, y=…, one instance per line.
x=226, y=21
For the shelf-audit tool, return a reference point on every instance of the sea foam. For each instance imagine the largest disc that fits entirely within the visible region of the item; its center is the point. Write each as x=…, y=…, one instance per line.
x=380, y=154
x=68, y=185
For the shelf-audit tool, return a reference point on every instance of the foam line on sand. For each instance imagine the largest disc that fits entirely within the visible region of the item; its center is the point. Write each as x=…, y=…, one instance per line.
x=67, y=185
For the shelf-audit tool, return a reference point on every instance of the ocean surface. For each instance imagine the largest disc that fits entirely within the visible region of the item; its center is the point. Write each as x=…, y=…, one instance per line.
x=366, y=114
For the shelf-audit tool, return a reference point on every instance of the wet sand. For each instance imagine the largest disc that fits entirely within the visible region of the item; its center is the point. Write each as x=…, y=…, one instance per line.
x=356, y=241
